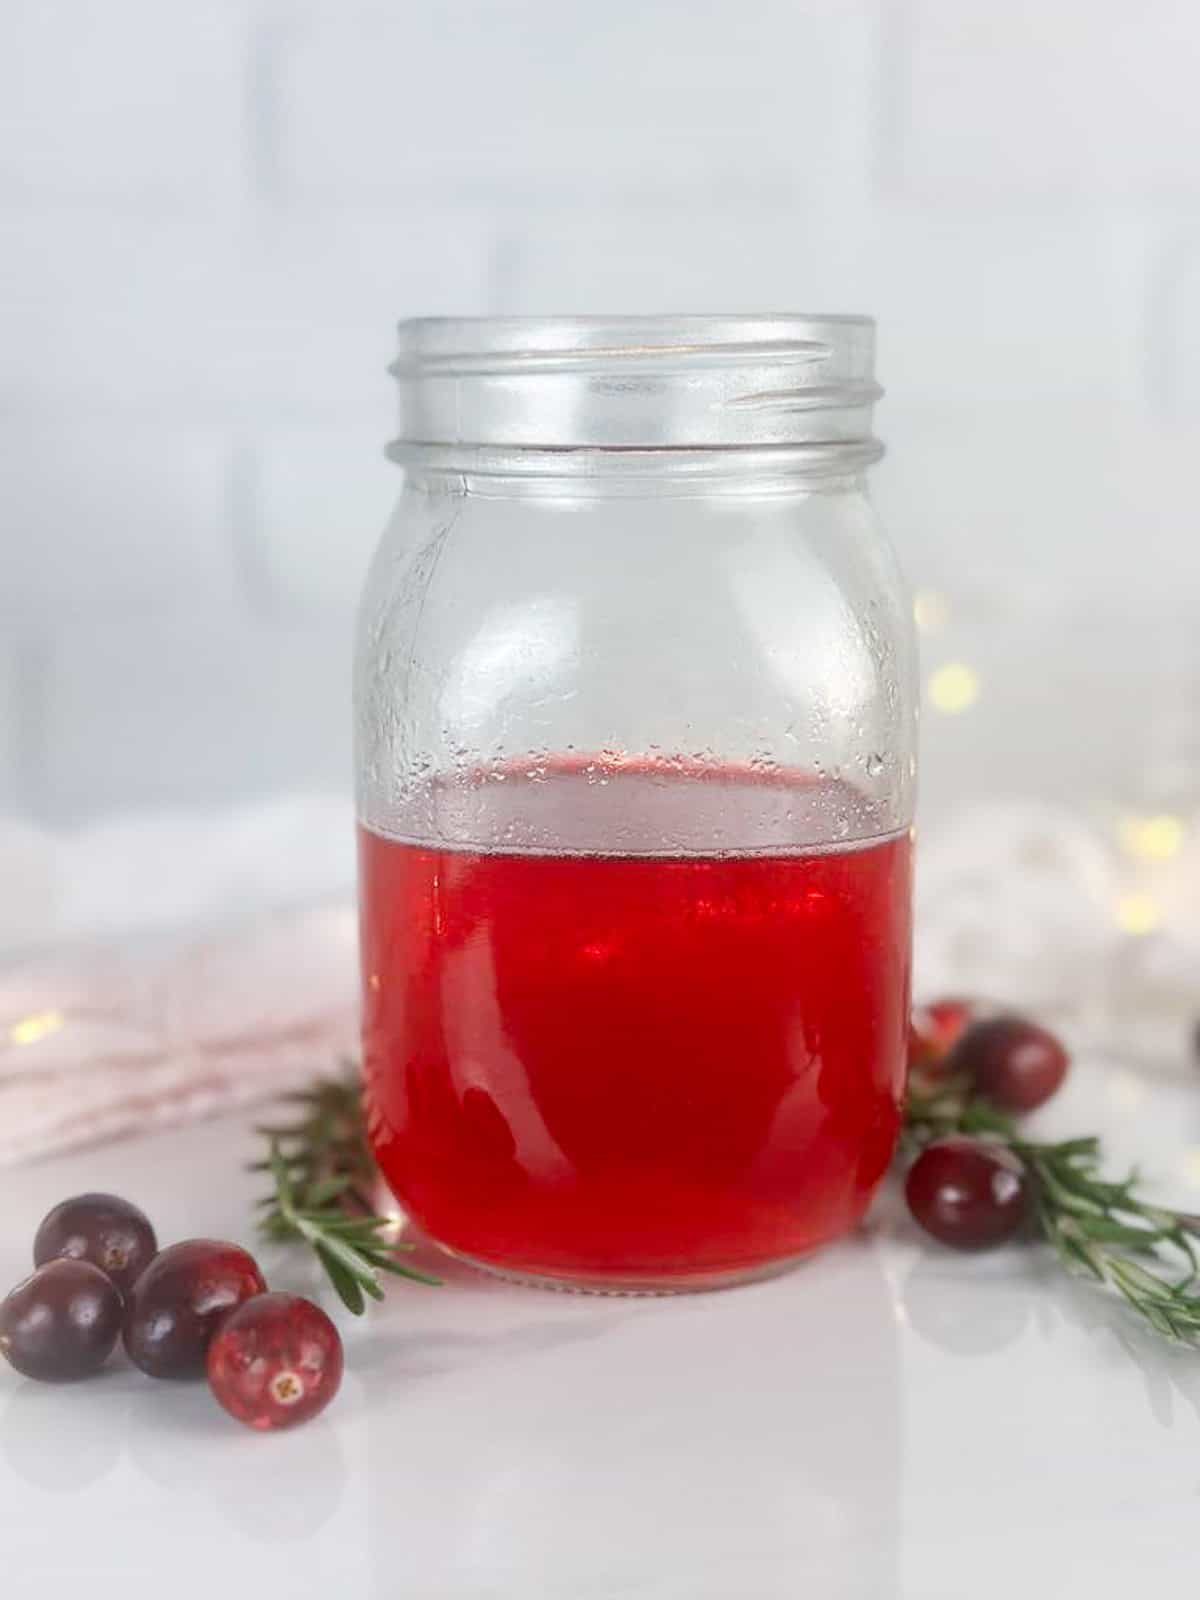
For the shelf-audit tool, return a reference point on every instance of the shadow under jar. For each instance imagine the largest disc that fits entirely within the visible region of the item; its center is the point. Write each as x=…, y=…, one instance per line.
x=635, y=716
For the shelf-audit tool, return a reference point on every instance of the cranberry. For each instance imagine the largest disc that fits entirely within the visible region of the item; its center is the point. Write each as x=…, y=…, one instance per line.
x=1010, y=1061
x=276, y=1361
x=933, y=1031
x=62, y=1322
x=966, y=1192
x=103, y=1229
x=920, y=1049
x=178, y=1302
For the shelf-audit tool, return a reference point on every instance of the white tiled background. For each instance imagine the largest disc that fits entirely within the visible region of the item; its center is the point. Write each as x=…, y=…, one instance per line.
x=211, y=215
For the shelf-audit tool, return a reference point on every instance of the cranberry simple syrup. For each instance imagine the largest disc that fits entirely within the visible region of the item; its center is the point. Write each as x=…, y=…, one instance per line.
x=637, y=1067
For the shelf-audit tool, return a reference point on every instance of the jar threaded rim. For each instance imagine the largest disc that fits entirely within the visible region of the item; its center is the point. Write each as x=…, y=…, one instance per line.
x=638, y=383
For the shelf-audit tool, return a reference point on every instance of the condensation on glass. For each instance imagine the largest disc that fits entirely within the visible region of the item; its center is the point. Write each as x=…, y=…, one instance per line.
x=634, y=605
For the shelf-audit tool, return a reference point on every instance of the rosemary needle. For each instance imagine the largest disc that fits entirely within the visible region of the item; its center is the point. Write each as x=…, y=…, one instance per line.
x=322, y=1176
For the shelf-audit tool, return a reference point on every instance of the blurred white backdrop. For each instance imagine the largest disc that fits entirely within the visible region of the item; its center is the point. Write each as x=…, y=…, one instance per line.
x=211, y=216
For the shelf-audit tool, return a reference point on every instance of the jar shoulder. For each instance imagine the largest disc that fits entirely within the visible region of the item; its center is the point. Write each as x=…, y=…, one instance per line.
x=448, y=564
x=767, y=630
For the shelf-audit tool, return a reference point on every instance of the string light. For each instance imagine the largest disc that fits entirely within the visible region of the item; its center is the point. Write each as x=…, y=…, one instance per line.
x=1137, y=913
x=38, y=1025
x=1156, y=838
x=953, y=687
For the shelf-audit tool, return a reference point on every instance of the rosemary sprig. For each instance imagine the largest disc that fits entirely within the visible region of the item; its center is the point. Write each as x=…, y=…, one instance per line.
x=322, y=1175
x=327, y=1139
x=1098, y=1227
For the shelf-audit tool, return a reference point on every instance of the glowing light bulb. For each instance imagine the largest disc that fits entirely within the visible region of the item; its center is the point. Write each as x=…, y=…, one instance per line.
x=953, y=687
x=1156, y=838
x=38, y=1025
x=1138, y=913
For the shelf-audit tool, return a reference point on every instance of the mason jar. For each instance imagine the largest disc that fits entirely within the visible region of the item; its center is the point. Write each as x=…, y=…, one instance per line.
x=635, y=735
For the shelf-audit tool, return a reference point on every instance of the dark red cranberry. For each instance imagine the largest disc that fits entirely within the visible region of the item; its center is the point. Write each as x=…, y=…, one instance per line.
x=62, y=1322
x=275, y=1361
x=933, y=1031
x=967, y=1192
x=1010, y=1061
x=178, y=1303
x=103, y=1229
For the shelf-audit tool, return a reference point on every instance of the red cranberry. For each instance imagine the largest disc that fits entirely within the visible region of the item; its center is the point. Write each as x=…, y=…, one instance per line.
x=934, y=1029
x=276, y=1361
x=967, y=1193
x=103, y=1229
x=179, y=1301
x=1010, y=1061
x=62, y=1322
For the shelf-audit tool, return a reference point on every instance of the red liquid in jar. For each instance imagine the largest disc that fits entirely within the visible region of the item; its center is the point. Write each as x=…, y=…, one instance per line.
x=636, y=1068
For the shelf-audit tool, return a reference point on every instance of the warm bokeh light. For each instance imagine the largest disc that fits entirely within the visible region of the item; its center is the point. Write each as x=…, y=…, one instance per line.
x=1138, y=913
x=1125, y=1091
x=1155, y=838
x=953, y=687
x=1188, y=1167
x=35, y=1026
x=930, y=610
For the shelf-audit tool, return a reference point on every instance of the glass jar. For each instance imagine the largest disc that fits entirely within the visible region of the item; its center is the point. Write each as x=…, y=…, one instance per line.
x=635, y=719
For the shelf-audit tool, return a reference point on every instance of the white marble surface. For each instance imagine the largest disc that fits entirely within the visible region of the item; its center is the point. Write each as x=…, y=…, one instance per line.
x=889, y=1422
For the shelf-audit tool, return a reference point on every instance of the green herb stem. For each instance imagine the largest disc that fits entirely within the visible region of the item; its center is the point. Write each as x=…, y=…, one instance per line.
x=323, y=1176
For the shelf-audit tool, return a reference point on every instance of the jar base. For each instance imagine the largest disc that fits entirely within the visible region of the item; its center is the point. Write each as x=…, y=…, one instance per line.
x=643, y=1286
